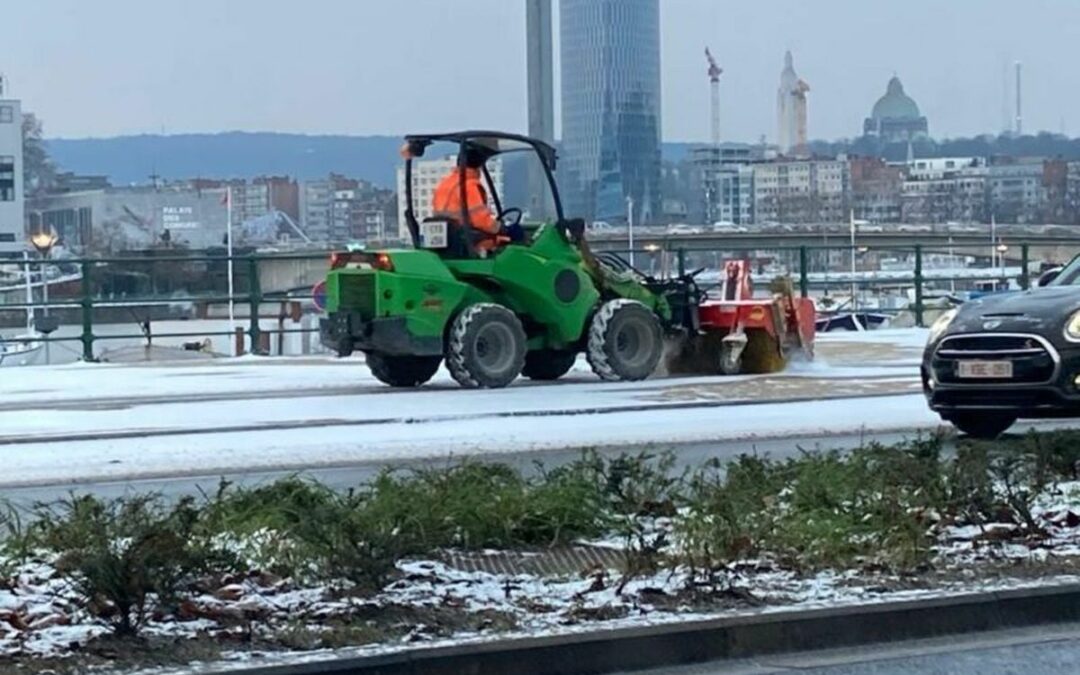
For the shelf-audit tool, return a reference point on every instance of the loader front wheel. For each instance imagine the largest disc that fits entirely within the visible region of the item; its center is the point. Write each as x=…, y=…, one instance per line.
x=625, y=341
x=485, y=347
x=402, y=371
x=548, y=364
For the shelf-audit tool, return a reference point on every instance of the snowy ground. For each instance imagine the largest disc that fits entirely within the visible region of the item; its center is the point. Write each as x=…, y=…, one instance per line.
x=41, y=616
x=95, y=422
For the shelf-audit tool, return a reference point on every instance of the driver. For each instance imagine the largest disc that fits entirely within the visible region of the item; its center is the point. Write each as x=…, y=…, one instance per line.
x=447, y=202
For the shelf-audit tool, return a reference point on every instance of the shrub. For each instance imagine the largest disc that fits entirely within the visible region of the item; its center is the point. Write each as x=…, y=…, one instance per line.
x=127, y=557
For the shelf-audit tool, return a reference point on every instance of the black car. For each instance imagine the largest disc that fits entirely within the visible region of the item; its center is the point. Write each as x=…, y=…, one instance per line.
x=1001, y=357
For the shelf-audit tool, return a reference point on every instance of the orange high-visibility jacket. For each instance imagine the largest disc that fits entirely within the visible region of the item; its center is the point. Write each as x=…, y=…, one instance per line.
x=447, y=200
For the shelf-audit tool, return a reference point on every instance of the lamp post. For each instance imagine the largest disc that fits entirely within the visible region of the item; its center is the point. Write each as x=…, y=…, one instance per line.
x=1002, y=249
x=43, y=239
x=652, y=249
x=854, y=289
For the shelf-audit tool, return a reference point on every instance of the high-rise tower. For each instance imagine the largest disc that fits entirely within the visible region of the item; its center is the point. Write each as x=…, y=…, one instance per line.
x=791, y=110
x=541, y=98
x=610, y=108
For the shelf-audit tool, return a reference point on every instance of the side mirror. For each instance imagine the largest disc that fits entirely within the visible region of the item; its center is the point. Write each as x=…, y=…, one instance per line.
x=1048, y=276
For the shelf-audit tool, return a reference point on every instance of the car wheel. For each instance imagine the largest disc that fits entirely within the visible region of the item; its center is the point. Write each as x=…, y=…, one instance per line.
x=983, y=425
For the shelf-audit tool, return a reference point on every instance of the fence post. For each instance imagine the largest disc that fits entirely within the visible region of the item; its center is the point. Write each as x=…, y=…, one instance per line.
x=804, y=278
x=681, y=256
x=254, y=302
x=1025, y=255
x=918, y=286
x=87, y=312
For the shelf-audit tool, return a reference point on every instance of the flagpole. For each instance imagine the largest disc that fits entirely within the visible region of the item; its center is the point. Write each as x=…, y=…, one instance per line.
x=229, y=253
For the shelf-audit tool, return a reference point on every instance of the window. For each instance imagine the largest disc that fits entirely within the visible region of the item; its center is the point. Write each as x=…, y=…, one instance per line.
x=7, y=114
x=7, y=178
x=7, y=237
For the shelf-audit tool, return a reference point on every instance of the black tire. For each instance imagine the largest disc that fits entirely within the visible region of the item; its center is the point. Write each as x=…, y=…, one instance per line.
x=986, y=425
x=625, y=341
x=343, y=349
x=485, y=347
x=548, y=364
x=402, y=371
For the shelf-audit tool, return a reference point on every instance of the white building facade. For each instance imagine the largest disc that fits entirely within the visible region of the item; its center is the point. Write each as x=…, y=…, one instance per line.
x=809, y=191
x=426, y=176
x=12, y=198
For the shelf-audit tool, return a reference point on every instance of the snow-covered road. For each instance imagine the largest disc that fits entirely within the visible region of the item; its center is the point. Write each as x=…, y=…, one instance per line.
x=80, y=423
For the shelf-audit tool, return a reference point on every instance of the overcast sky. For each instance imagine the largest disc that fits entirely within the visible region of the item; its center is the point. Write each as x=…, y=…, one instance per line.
x=108, y=67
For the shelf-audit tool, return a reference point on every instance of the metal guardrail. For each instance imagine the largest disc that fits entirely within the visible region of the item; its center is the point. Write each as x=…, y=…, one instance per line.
x=246, y=274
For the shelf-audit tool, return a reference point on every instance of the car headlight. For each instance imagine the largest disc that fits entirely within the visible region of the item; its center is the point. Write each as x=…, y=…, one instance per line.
x=938, y=328
x=1072, y=327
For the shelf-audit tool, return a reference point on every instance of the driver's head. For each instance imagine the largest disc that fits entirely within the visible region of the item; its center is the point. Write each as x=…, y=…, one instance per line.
x=474, y=157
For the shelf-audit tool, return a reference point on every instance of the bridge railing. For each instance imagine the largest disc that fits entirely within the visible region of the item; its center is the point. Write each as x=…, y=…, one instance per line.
x=173, y=300
x=164, y=300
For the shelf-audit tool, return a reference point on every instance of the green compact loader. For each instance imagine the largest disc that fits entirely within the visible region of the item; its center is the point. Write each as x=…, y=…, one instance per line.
x=526, y=306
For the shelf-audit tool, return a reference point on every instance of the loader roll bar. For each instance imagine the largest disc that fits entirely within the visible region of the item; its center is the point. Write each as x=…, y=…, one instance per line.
x=490, y=141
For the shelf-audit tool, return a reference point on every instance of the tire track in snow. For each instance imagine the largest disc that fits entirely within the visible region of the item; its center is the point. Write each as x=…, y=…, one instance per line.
x=38, y=438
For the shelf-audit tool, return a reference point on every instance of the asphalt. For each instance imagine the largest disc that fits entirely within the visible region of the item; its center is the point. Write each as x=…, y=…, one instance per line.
x=351, y=475
x=1030, y=651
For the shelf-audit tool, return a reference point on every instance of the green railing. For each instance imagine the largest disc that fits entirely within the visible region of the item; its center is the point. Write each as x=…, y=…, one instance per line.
x=141, y=284
x=92, y=296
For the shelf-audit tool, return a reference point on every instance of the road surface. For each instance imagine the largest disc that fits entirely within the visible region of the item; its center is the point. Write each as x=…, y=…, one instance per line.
x=1052, y=650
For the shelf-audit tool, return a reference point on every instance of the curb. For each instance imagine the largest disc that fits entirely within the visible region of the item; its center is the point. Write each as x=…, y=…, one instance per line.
x=629, y=649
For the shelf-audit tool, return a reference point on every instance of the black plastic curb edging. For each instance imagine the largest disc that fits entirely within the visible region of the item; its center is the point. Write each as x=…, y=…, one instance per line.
x=629, y=649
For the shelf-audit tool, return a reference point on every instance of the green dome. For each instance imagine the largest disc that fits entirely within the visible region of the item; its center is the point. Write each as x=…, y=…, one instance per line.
x=895, y=104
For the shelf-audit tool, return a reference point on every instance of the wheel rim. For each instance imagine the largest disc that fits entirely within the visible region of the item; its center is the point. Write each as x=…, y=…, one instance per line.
x=494, y=347
x=633, y=343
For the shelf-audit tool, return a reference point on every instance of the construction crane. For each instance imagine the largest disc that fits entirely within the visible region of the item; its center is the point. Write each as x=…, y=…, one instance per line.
x=714, y=82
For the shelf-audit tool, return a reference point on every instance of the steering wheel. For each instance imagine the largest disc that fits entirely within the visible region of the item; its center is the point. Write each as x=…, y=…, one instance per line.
x=512, y=211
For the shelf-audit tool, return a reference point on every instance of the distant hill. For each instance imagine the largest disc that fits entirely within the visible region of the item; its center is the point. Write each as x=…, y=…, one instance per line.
x=133, y=159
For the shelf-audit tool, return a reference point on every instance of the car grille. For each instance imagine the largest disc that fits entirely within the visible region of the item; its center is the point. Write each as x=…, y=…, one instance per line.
x=1033, y=359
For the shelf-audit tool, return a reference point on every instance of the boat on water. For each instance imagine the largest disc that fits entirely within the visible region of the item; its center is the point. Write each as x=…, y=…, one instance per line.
x=25, y=348
x=20, y=350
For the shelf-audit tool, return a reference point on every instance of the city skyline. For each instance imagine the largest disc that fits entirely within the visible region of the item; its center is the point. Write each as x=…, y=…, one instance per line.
x=132, y=68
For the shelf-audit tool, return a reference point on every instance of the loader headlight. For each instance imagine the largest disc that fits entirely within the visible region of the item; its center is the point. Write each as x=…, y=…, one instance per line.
x=1072, y=327
x=938, y=328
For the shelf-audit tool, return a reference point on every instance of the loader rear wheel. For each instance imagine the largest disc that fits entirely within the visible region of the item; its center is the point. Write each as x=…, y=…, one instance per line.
x=625, y=341
x=485, y=347
x=402, y=371
x=548, y=364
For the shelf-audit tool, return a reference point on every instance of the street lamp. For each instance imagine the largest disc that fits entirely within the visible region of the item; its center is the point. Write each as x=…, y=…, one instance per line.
x=652, y=249
x=43, y=239
x=1002, y=249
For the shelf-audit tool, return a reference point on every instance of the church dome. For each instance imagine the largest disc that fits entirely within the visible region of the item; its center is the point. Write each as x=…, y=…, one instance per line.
x=895, y=104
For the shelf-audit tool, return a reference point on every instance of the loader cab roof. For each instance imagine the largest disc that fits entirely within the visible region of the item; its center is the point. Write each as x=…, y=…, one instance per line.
x=492, y=142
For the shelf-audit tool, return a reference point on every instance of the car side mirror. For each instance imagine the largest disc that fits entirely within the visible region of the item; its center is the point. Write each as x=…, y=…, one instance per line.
x=1048, y=276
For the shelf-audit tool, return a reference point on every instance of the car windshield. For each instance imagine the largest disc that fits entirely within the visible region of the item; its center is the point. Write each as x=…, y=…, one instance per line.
x=1070, y=276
